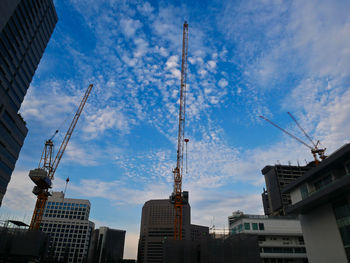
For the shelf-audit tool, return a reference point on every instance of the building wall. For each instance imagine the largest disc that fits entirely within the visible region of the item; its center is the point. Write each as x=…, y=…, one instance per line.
x=322, y=237
x=66, y=220
x=279, y=238
x=107, y=245
x=25, y=29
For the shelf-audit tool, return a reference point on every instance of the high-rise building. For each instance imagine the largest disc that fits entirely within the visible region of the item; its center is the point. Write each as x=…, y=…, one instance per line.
x=280, y=238
x=66, y=220
x=321, y=198
x=25, y=29
x=277, y=177
x=157, y=225
x=107, y=245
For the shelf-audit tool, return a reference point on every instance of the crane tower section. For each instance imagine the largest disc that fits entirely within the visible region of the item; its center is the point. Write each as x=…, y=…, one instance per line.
x=177, y=197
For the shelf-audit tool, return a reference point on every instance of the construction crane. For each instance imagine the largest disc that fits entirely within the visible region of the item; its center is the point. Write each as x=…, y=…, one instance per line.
x=315, y=150
x=177, y=197
x=44, y=174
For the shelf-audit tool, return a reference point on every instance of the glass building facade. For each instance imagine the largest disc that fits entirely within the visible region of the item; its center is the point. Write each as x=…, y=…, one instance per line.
x=25, y=29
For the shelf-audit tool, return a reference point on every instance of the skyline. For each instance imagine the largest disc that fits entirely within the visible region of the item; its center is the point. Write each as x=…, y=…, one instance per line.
x=245, y=59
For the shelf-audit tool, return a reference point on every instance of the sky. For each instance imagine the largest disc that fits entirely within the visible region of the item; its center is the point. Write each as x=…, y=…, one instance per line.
x=245, y=58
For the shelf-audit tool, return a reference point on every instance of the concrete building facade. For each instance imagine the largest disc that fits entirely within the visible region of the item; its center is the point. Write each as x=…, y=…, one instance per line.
x=107, y=245
x=321, y=199
x=280, y=237
x=66, y=220
x=277, y=177
x=25, y=29
x=157, y=226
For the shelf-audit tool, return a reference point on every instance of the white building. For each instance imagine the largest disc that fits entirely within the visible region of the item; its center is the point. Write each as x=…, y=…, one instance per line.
x=67, y=222
x=321, y=198
x=280, y=238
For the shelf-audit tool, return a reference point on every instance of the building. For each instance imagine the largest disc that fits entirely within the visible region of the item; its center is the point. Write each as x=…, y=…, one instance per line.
x=107, y=245
x=66, y=220
x=240, y=248
x=280, y=237
x=277, y=177
x=321, y=198
x=157, y=225
x=25, y=29
x=19, y=244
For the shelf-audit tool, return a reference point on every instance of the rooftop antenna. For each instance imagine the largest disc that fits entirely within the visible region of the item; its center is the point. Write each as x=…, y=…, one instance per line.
x=65, y=189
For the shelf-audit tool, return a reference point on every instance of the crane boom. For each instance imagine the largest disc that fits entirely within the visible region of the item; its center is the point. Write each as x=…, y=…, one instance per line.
x=291, y=135
x=44, y=175
x=69, y=132
x=177, y=197
x=314, y=150
x=305, y=133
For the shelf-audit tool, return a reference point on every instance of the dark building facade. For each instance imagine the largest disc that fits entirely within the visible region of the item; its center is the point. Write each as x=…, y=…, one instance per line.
x=25, y=29
x=277, y=177
x=240, y=248
x=157, y=226
x=107, y=245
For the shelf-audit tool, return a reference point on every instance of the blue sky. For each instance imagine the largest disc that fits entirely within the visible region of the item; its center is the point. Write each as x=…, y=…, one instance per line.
x=246, y=58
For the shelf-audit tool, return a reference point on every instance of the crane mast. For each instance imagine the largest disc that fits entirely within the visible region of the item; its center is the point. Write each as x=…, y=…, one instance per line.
x=177, y=198
x=43, y=175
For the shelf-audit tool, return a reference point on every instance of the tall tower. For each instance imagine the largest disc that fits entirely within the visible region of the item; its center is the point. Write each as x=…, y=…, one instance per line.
x=157, y=225
x=25, y=29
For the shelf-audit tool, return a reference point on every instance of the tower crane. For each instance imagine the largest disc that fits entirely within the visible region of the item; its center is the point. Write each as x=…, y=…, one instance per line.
x=44, y=174
x=315, y=150
x=177, y=197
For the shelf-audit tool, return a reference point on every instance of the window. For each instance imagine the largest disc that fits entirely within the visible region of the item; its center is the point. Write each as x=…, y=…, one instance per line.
x=261, y=226
x=247, y=226
x=323, y=182
x=255, y=226
x=304, y=191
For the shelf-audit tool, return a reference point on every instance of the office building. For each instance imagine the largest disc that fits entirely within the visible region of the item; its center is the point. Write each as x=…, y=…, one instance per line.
x=157, y=225
x=277, y=177
x=25, y=29
x=107, y=245
x=321, y=198
x=280, y=237
x=66, y=220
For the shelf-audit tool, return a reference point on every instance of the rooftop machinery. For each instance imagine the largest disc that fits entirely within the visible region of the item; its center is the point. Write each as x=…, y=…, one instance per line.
x=315, y=150
x=177, y=197
x=44, y=174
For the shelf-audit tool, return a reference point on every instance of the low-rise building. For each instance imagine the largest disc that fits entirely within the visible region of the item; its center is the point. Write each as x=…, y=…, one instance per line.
x=321, y=198
x=280, y=237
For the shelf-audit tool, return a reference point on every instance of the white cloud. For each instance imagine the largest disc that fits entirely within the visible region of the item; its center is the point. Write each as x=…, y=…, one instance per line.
x=146, y=9
x=129, y=26
x=106, y=119
x=223, y=83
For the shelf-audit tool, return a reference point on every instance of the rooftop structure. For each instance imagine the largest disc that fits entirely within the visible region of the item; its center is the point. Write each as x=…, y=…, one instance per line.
x=280, y=237
x=25, y=29
x=66, y=220
x=321, y=199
